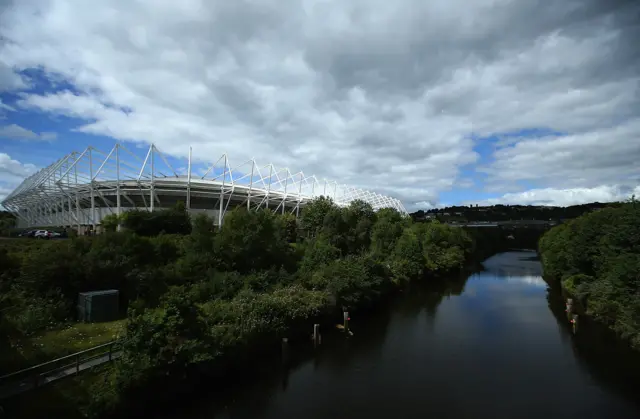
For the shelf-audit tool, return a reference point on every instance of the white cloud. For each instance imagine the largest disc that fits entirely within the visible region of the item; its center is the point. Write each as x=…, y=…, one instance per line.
x=16, y=132
x=564, y=197
x=4, y=192
x=12, y=173
x=11, y=169
x=378, y=94
x=9, y=79
x=609, y=155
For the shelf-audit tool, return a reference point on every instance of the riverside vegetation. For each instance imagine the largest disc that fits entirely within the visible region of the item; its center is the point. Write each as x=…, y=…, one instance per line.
x=202, y=301
x=596, y=258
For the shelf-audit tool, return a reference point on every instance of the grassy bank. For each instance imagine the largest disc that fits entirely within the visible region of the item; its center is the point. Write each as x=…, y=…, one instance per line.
x=25, y=351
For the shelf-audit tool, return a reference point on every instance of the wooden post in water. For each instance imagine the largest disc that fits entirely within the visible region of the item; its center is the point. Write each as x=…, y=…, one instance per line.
x=316, y=334
x=285, y=350
x=569, y=308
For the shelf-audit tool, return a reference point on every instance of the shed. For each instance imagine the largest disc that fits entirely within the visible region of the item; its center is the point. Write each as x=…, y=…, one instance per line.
x=98, y=306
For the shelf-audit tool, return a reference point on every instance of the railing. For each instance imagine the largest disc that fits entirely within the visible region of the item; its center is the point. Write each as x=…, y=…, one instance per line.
x=33, y=377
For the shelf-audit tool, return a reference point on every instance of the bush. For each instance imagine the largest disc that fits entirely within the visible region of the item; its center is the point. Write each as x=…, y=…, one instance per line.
x=38, y=313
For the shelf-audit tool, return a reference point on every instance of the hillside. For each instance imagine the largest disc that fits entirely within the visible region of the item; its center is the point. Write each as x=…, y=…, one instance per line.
x=509, y=212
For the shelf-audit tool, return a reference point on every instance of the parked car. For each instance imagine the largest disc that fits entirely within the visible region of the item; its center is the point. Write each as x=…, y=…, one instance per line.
x=27, y=233
x=42, y=234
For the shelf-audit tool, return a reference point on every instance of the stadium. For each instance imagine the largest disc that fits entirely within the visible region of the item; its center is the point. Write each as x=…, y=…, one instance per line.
x=81, y=188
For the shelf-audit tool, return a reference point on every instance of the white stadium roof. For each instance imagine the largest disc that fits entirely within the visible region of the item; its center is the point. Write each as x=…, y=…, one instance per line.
x=83, y=187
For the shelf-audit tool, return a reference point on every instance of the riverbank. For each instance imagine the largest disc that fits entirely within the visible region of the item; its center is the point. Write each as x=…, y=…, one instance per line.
x=77, y=397
x=441, y=353
x=596, y=259
x=257, y=378
x=203, y=303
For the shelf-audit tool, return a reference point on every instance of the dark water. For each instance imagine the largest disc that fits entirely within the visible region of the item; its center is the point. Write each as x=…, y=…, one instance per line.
x=494, y=345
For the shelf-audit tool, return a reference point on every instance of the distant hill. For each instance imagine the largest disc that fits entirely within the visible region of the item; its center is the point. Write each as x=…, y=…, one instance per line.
x=508, y=212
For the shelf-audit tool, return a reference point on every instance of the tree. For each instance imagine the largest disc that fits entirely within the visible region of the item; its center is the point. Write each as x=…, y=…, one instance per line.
x=252, y=240
x=596, y=257
x=175, y=220
x=7, y=223
x=318, y=253
x=386, y=231
x=407, y=261
x=314, y=213
x=288, y=223
x=348, y=281
x=110, y=222
x=172, y=337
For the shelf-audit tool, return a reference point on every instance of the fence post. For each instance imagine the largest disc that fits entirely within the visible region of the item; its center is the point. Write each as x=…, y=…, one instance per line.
x=110, y=346
x=77, y=364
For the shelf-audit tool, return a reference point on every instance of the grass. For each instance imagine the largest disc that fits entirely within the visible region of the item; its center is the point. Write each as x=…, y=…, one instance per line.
x=66, y=398
x=25, y=352
x=78, y=337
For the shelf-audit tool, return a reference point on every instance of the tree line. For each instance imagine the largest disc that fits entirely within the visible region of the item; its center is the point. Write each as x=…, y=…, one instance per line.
x=596, y=258
x=462, y=213
x=202, y=299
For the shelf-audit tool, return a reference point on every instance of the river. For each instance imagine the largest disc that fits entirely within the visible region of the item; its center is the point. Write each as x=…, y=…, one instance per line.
x=493, y=345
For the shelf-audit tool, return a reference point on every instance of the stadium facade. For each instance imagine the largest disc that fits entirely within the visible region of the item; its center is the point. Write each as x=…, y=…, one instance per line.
x=81, y=188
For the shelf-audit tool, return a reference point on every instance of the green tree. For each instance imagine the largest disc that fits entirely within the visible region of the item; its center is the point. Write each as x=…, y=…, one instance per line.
x=313, y=215
x=110, y=222
x=386, y=231
x=597, y=259
x=348, y=281
x=251, y=241
x=407, y=261
x=175, y=220
x=289, y=225
x=318, y=253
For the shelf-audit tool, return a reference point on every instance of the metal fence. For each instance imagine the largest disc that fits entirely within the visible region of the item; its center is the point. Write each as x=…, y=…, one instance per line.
x=69, y=365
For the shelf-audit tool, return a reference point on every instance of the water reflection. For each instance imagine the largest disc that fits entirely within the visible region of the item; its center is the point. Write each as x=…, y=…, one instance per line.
x=609, y=361
x=492, y=345
x=513, y=264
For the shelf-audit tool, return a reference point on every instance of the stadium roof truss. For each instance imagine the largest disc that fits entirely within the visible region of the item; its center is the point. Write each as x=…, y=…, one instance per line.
x=82, y=187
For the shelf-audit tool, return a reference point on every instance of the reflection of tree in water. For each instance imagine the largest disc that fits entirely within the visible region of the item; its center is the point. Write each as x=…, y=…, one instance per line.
x=370, y=331
x=607, y=359
x=514, y=264
x=249, y=395
x=428, y=294
x=370, y=328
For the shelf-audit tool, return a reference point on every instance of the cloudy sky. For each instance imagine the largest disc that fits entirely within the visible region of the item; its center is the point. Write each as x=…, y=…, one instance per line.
x=433, y=102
